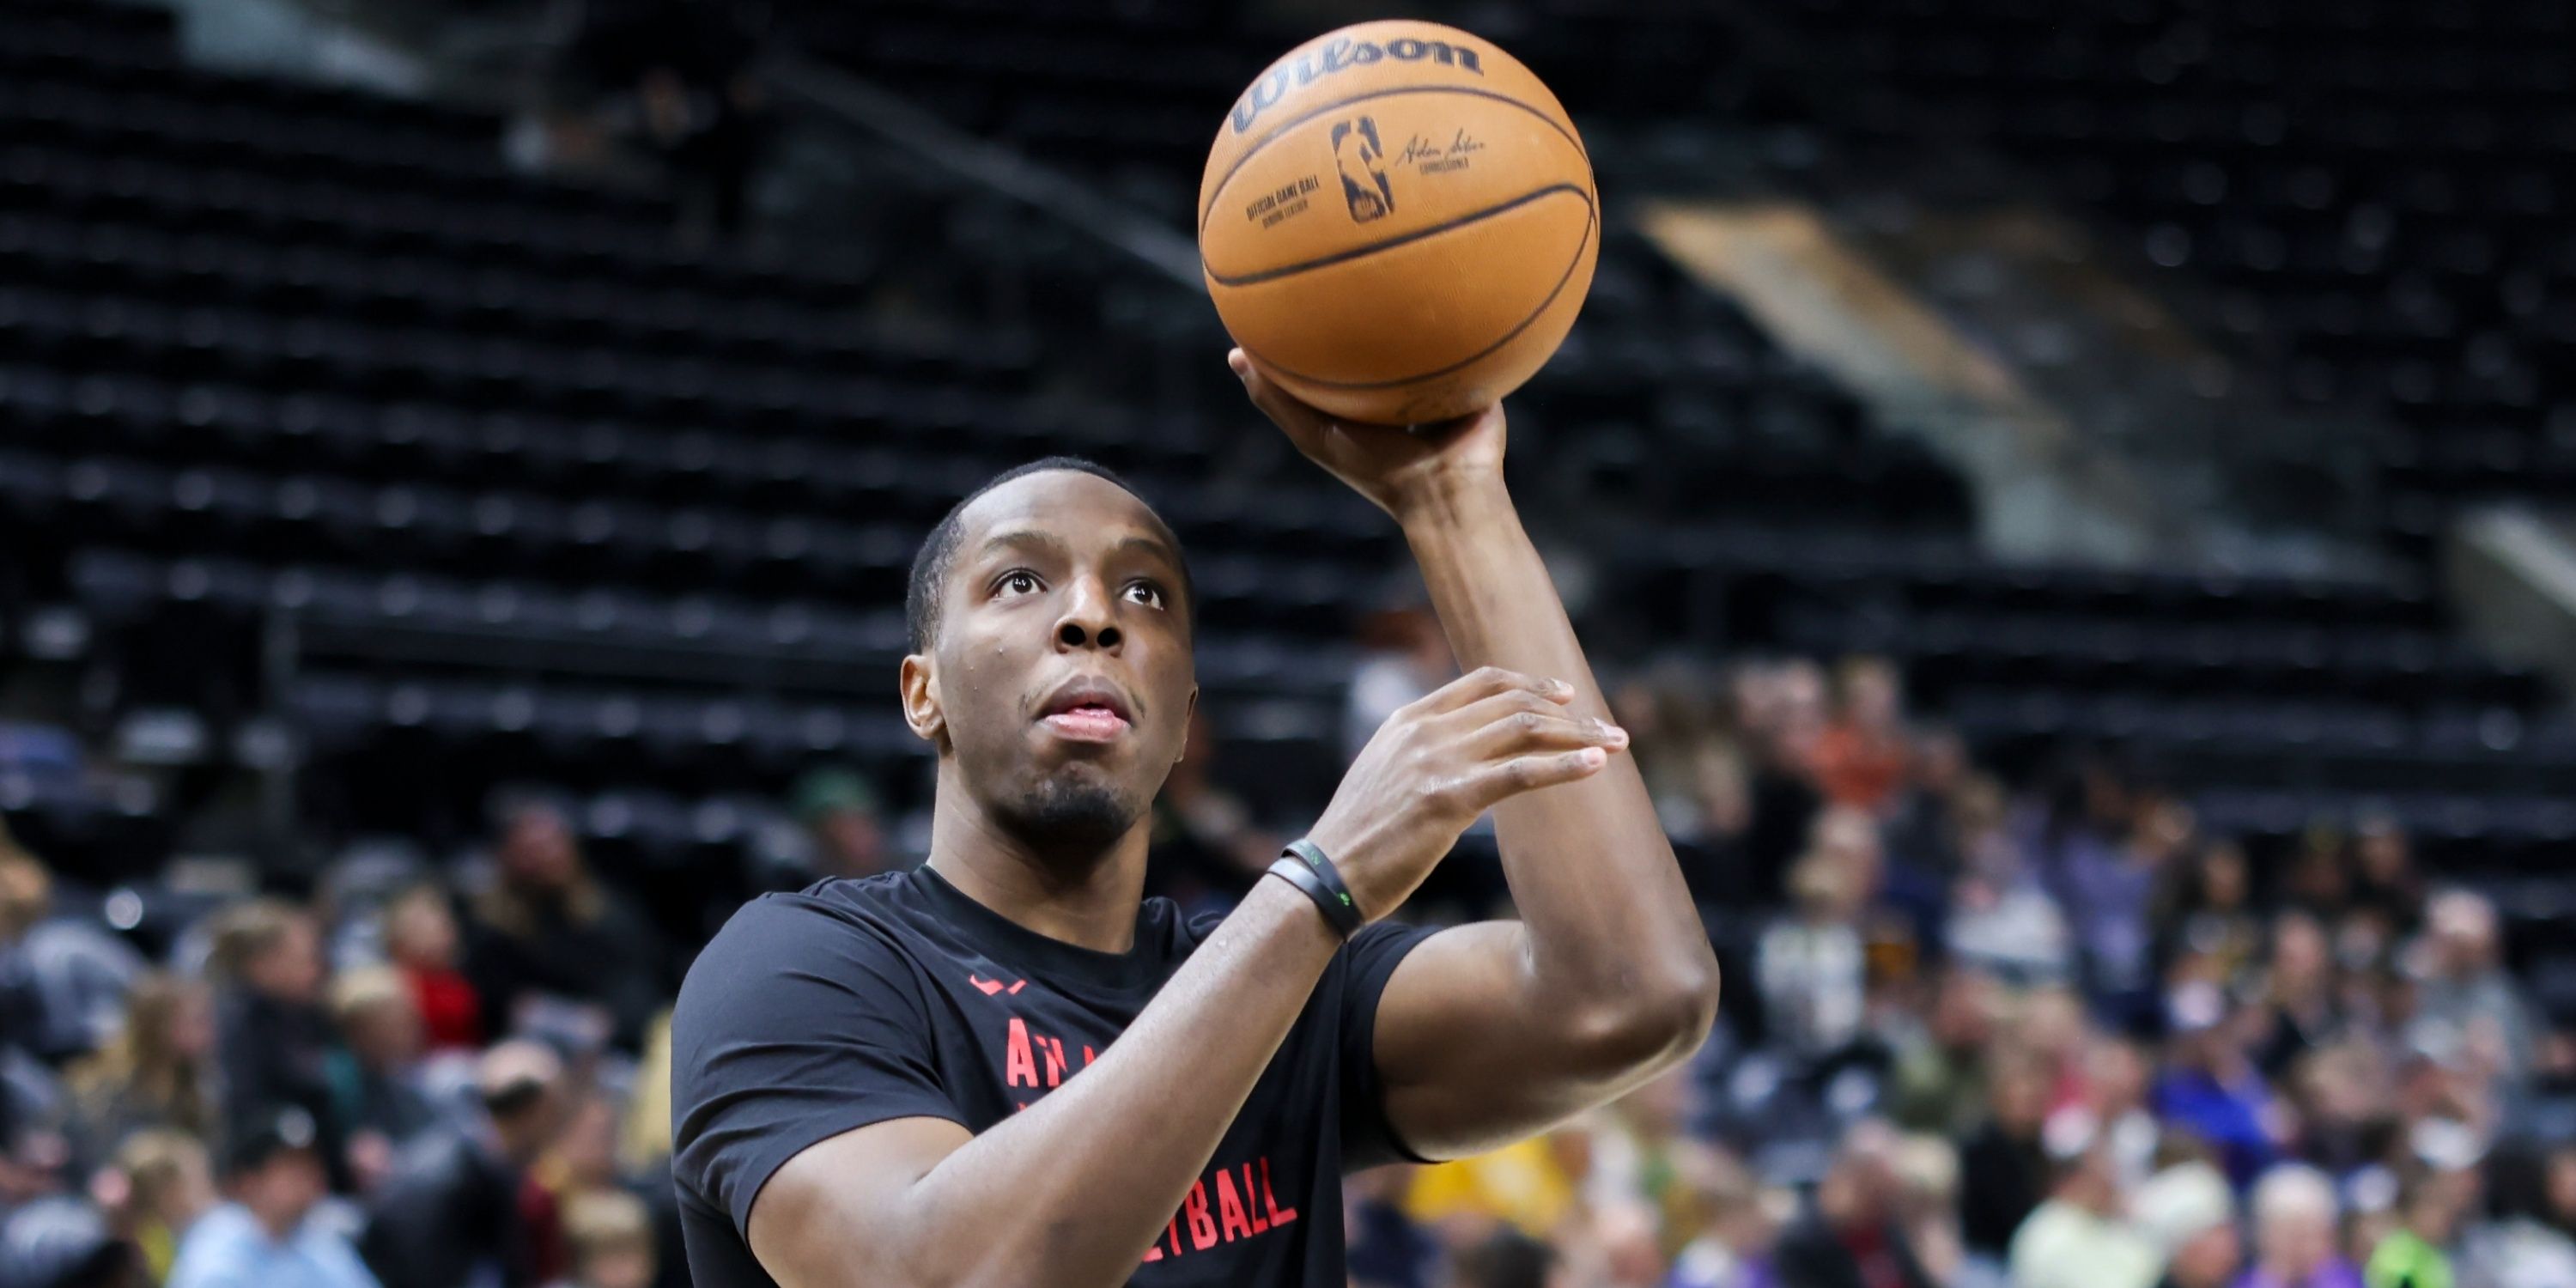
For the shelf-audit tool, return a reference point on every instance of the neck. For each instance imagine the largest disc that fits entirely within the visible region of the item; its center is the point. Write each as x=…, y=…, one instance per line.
x=1086, y=899
x=279, y=1225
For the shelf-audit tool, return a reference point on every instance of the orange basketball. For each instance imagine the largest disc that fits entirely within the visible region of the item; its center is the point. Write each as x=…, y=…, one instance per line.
x=1398, y=223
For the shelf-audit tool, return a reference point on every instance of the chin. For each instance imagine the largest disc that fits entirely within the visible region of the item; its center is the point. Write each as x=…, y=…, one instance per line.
x=1075, y=808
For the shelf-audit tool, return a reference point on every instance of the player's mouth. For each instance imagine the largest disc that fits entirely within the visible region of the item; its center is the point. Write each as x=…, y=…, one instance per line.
x=1087, y=710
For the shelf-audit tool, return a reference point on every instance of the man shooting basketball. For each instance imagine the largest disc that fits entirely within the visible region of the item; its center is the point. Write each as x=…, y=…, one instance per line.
x=1009, y=1069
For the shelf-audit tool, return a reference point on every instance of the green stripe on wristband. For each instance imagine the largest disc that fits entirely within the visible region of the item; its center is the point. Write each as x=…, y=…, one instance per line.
x=1304, y=865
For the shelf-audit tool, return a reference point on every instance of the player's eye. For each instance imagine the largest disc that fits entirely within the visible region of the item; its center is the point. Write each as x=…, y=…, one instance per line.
x=1018, y=581
x=1146, y=593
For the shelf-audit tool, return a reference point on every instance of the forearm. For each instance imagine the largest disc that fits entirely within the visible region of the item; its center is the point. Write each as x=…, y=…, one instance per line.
x=1072, y=1191
x=1610, y=926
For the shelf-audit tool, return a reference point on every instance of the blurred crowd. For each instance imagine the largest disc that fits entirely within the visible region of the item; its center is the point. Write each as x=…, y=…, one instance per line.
x=2047, y=1035
x=399, y=1082
x=2053, y=1037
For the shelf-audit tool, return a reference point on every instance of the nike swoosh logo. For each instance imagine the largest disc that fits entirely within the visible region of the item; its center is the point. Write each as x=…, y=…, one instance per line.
x=989, y=987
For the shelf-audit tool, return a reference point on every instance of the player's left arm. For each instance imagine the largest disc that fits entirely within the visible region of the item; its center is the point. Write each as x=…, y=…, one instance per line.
x=1489, y=1032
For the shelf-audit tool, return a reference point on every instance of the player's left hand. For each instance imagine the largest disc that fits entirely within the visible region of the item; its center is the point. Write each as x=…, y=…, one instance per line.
x=1398, y=468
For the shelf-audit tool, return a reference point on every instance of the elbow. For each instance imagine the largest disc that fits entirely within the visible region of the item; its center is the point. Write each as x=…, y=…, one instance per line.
x=1649, y=1025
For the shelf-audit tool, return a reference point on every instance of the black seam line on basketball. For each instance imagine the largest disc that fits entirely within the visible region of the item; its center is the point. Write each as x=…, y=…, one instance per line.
x=1361, y=252
x=1339, y=103
x=1471, y=359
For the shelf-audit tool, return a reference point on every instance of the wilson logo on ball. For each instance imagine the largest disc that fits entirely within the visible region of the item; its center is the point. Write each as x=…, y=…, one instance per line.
x=1361, y=159
x=1341, y=54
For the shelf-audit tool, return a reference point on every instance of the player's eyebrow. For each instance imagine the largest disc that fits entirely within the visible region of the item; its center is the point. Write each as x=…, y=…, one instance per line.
x=1024, y=539
x=1148, y=543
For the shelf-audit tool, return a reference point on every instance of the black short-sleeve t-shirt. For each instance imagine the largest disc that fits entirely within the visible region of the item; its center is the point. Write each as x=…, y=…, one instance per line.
x=858, y=1001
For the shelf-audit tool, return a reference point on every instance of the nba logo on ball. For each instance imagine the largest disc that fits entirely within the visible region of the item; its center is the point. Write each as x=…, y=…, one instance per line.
x=1357, y=152
x=1398, y=312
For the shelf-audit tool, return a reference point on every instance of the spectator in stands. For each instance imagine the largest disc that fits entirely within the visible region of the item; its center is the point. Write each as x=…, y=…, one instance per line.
x=2344, y=1096
x=2111, y=896
x=62, y=1242
x=1406, y=656
x=1734, y=1250
x=549, y=932
x=2081, y=1236
x=1940, y=1078
x=1715, y=860
x=2519, y=1246
x=1924, y=830
x=1667, y=726
x=2386, y=888
x=1701, y=781
x=1616, y=1247
x=843, y=824
x=24, y=891
x=2052, y=1024
x=2211, y=1087
x=1778, y=710
x=2466, y=998
x=1509, y=1259
x=157, y=1071
x=2207, y=910
x=31, y=1157
x=1636, y=1147
x=1206, y=850
x=275, y=1177
x=1699, y=777
x=2433, y=1206
x=167, y=1182
x=644, y=1138
x=2189, y=1216
x=272, y=1034
x=2002, y=917
x=2116, y=1077
x=2002, y=1167
x=1851, y=1236
x=450, y=1215
x=374, y=1074
x=1811, y=966
x=2304, y=1007
x=1386, y=1248
x=2076, y=837
x=580, y=1160
x=421, y=941
x=1862, y=757
x=2317, y=879
x=1927, y=1208
x=611, y=1237
x=62, y=979
x=2294, y=1233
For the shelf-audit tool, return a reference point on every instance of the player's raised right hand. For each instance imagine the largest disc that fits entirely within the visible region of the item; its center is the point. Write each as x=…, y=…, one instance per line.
x=1439, y=762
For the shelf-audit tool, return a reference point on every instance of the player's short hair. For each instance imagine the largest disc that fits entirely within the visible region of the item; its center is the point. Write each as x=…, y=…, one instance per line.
x=939, y=550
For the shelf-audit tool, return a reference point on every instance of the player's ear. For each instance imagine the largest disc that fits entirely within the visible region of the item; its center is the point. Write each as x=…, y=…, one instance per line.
x=921, y=700
x=1189, y=716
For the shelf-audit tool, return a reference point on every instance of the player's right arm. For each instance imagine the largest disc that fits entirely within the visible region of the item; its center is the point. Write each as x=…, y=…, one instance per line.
x=1071, y=1192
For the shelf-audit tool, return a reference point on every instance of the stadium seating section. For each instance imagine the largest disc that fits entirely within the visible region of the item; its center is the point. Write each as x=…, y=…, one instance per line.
x=314, y=408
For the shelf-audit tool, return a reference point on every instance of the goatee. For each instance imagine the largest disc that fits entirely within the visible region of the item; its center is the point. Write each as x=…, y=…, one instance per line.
x=1066, y=815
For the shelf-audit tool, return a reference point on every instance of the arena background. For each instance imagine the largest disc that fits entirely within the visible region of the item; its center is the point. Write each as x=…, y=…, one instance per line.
x=2068, y=495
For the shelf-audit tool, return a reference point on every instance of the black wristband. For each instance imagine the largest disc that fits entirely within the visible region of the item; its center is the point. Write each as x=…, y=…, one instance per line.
x=1304, y=866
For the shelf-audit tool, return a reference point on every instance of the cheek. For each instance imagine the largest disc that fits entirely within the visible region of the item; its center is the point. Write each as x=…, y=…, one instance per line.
x=978, y=695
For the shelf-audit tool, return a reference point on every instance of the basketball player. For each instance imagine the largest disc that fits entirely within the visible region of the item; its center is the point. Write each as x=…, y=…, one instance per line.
x=1009, y=1070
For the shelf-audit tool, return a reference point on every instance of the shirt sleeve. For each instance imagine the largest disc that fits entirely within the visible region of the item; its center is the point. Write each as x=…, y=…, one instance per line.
x=1368, y=1139
x=793, y=1027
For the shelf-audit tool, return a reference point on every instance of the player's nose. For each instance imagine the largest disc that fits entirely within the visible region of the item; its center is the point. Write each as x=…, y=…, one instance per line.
x=1086, y=621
